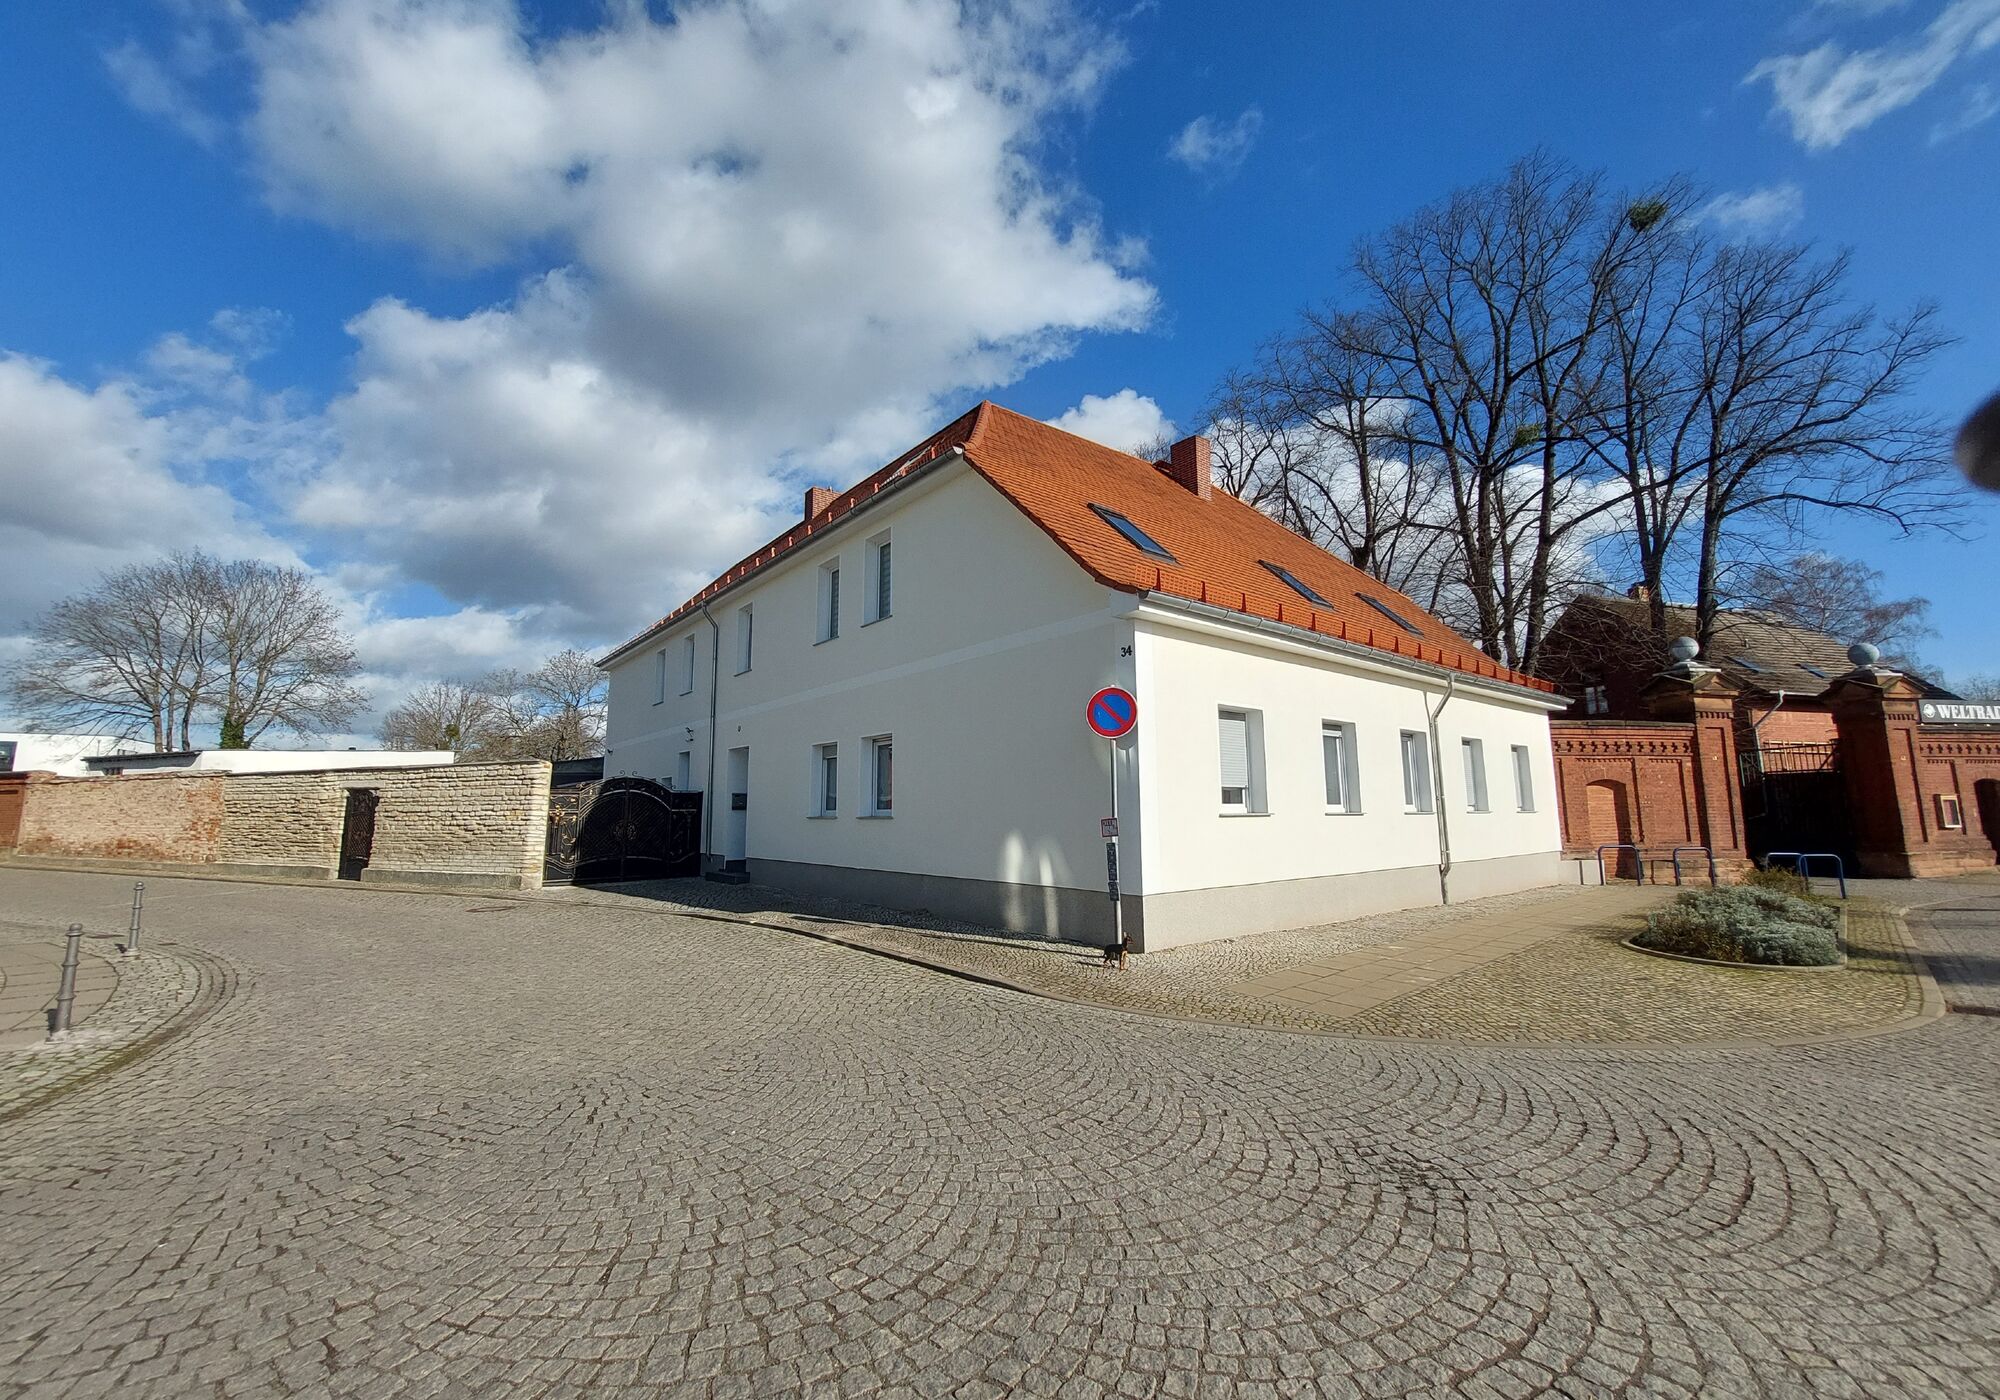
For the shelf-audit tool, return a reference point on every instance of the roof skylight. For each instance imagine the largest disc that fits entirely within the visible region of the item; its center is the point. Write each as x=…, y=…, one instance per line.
x=1390, y=613
x=1140, y=540
x=1295, y=583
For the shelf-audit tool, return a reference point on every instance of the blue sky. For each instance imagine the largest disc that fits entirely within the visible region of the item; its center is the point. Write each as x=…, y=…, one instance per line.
x=518, y=322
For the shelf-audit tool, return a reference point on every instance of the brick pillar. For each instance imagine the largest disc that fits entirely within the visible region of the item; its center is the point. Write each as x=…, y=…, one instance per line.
x=1700, y=696
x=1875, y=712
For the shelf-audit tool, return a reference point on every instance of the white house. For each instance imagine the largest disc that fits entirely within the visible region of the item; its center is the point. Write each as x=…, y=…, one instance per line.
x=887, y=703
x=61, y=754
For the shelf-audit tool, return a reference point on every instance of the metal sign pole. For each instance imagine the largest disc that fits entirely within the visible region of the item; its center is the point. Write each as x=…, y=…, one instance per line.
x=1116, y=953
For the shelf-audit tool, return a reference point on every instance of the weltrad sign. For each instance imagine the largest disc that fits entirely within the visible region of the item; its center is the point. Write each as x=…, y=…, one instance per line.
x=1957, y=712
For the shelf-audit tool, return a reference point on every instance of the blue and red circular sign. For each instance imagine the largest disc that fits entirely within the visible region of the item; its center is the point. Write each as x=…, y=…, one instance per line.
x=1112, y=712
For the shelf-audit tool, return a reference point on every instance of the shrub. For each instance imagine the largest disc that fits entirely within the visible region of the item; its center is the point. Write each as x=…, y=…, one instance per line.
x=1783, y=881
x=1747, y=924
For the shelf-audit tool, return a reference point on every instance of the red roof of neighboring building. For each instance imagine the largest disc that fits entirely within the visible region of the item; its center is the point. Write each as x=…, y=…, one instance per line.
x=1220, y=545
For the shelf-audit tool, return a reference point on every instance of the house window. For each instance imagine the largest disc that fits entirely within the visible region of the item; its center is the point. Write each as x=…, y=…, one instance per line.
x=1390, y=613
x=744, y=632
x=1524, y=780
x=880, y=600
x=826, y=780
x=1950, y=815
x=1239, y=753
x=687, y=666
x=829, y=600
x=1475, y=774
x=660, y=677
x=1595, y=702
x=1138, y=538
x=1295, y=583
x=1416, y=771
x=1343, y=786
x=684, y=771
x=881, y=775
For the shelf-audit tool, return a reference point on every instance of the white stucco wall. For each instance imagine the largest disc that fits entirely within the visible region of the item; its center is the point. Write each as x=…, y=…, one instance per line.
x=1188, y=669
x=286, y=760
x=995, y=641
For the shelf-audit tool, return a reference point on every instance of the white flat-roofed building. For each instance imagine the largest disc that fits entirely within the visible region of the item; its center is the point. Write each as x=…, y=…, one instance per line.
x=266, y=760
x=61, y=754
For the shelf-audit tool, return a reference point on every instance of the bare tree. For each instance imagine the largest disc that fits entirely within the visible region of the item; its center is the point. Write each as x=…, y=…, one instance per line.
x=276, y=655
x=1841, y=597
x=1983, y=688
x=555, y=711
x=153, y=647
x=1539, y=373
x=444, y=715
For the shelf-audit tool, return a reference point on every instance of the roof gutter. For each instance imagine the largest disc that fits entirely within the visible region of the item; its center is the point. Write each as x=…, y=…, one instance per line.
x=1365, y=657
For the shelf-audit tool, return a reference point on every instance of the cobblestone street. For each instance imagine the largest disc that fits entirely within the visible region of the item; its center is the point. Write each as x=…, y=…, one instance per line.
x=418, y=1145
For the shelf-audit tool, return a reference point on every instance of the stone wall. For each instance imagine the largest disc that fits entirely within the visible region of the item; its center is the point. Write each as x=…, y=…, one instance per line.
x=480, y=825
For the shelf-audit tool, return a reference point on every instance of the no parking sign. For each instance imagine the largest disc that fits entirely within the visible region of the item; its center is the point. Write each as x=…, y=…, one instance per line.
x=1112, y=712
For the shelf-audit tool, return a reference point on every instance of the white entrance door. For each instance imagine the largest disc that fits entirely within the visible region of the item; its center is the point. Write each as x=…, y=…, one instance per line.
x=736, y=823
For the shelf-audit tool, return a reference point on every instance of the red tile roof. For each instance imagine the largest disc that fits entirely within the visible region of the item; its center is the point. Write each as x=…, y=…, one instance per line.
x=1220, y=545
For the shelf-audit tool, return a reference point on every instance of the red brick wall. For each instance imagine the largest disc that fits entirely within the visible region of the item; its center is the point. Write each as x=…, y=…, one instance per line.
x=1643, y=781
x=172, y=818
x=13, y=787
x=1953, y=762
x=1791, y=723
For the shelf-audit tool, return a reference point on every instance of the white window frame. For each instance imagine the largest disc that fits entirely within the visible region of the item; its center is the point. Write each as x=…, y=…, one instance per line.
x=880, y=807
x=1349, y=767
x=874, y=606
x=1524, y=778
x=687, y=664
x=684, y=771
x=1595, y=702
x=746, y=637
x=829, y=601
x=1473, y=752
x=825, y=794
x=1254, y=797
x=1415, y=746
x=1951, y=813
x=660, y=677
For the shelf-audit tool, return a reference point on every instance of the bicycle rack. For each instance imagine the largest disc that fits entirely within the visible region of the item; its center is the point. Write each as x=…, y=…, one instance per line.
x=1706, y=853
x=1802, y=866
x=1637, y=859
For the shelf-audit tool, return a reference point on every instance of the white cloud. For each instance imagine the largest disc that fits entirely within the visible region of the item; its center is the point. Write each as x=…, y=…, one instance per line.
x=787, y=246
x=1830, y=92
x=94, y=479
x=1758, y=213
x=1126, y=420
x=1978, y=104
x=1211, y=146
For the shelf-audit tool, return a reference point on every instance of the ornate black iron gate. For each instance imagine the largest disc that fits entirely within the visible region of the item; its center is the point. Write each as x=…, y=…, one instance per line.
x=621, y=829
x=1795, y=799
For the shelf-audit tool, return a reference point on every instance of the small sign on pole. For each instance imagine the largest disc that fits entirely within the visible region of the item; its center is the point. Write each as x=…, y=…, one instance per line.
x=1112, y=714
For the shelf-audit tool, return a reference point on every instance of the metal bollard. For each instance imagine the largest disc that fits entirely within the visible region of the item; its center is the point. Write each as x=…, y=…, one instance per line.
x=138, y=907
x=66, y=989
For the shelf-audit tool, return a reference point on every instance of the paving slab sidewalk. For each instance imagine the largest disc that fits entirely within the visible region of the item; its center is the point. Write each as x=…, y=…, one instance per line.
x=1539, y=967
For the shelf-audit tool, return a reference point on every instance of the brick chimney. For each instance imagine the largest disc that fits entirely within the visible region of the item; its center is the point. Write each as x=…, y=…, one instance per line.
x=1187, y=463
x=818, y=498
